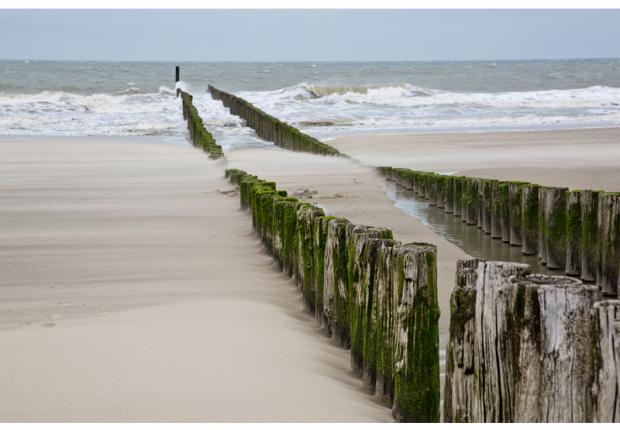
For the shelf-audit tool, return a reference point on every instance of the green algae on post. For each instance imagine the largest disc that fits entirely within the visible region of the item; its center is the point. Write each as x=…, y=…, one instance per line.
x=609, y=237
x=573, y=234
x=504, y=210
x=515, y=191
x=487, y=205
x=529, y=219
x=590, y=245
x=553, y=227
x=417, y=350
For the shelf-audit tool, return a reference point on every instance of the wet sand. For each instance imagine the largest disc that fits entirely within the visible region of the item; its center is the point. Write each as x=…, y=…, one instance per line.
x=133, y=289
x=572, y=158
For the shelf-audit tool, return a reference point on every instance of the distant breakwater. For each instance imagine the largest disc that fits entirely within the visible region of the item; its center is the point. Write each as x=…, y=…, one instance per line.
x=375, y=295
x=271, y=128
x=201, y=138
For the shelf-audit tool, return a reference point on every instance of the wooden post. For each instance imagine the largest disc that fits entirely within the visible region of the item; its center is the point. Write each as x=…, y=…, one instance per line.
x=609, y=215
x=553, y=227
x=515, y=193
x=177, y=74
x=529, y=217
x=528, y=350
x=504, y=208
x=487, y=205
x=590, y=246
x=416, y=348
x=573, y=234
x=604, y=403
x=496, y=212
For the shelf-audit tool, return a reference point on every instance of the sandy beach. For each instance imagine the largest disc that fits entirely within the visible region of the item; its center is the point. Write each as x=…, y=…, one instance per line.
x=130, y=268
x=133, y=289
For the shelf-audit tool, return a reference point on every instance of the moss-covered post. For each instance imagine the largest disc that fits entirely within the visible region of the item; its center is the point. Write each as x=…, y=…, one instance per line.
x=289, y=236
x=320, y=243
x=487, y=205
x=609, y=236
x=361, y=255
x=448, y=194
x=386, y=314
x=441, y=192
x=573, y=233
x=457, y=205
x=515, y=193
x=416, y=377
x=553, y=228
x=496, y=213
x=306, y=218
x=335, y=299
x=529, y=219
x=472, y=201
x=504, y=209
x=590, y=245
x=458, y=389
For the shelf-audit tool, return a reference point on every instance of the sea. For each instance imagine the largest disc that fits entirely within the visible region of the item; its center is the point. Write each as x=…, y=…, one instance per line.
x=324, y=99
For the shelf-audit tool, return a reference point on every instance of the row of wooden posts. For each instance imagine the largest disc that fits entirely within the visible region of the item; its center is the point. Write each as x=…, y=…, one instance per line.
x=575, y=231
x=201, y=138
x=530, y=348
x=377, y=296
x=271, y=128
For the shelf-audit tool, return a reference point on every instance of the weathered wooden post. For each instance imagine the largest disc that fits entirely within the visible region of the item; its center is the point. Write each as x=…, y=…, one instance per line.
x=487, y=205
x=361, y=255
x=529, y=219
x=604, y=402
x=504, y=209
x=176, y=79
x=459, y=388
x=526, y=351
x=553, y=227
x=609, y=237
x=457, y=205
x=590, y=245
x=449, y=194
x=496, y=212
x=335, y=282
x=515, y=196
x=573, y=233
x=416, y=350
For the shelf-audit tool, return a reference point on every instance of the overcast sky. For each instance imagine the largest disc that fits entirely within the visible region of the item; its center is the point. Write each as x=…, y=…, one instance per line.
x=314, y=35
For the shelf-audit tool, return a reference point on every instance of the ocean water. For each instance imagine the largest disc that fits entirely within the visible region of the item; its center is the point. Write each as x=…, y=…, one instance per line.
x=323, y=99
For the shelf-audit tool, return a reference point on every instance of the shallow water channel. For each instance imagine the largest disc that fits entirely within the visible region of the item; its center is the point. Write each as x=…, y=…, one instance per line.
x=469, y=238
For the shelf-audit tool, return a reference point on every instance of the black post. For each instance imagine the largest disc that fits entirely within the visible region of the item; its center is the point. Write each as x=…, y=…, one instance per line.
x=177, y=74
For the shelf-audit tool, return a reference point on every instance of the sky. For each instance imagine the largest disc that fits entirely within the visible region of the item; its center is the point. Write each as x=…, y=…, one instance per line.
x=308, y=35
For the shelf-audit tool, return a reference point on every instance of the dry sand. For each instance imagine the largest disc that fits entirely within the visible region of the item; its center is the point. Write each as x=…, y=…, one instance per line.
x=573, y=158
x=133, y=289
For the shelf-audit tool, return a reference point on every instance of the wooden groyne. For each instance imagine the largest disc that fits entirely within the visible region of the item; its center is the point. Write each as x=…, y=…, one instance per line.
x=199, y=135
x=271, y=128
x=530, y=348
x=576, y=232
x=375, y=295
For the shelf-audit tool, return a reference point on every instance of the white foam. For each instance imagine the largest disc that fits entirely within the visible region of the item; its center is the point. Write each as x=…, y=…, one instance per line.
x=399, y=107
